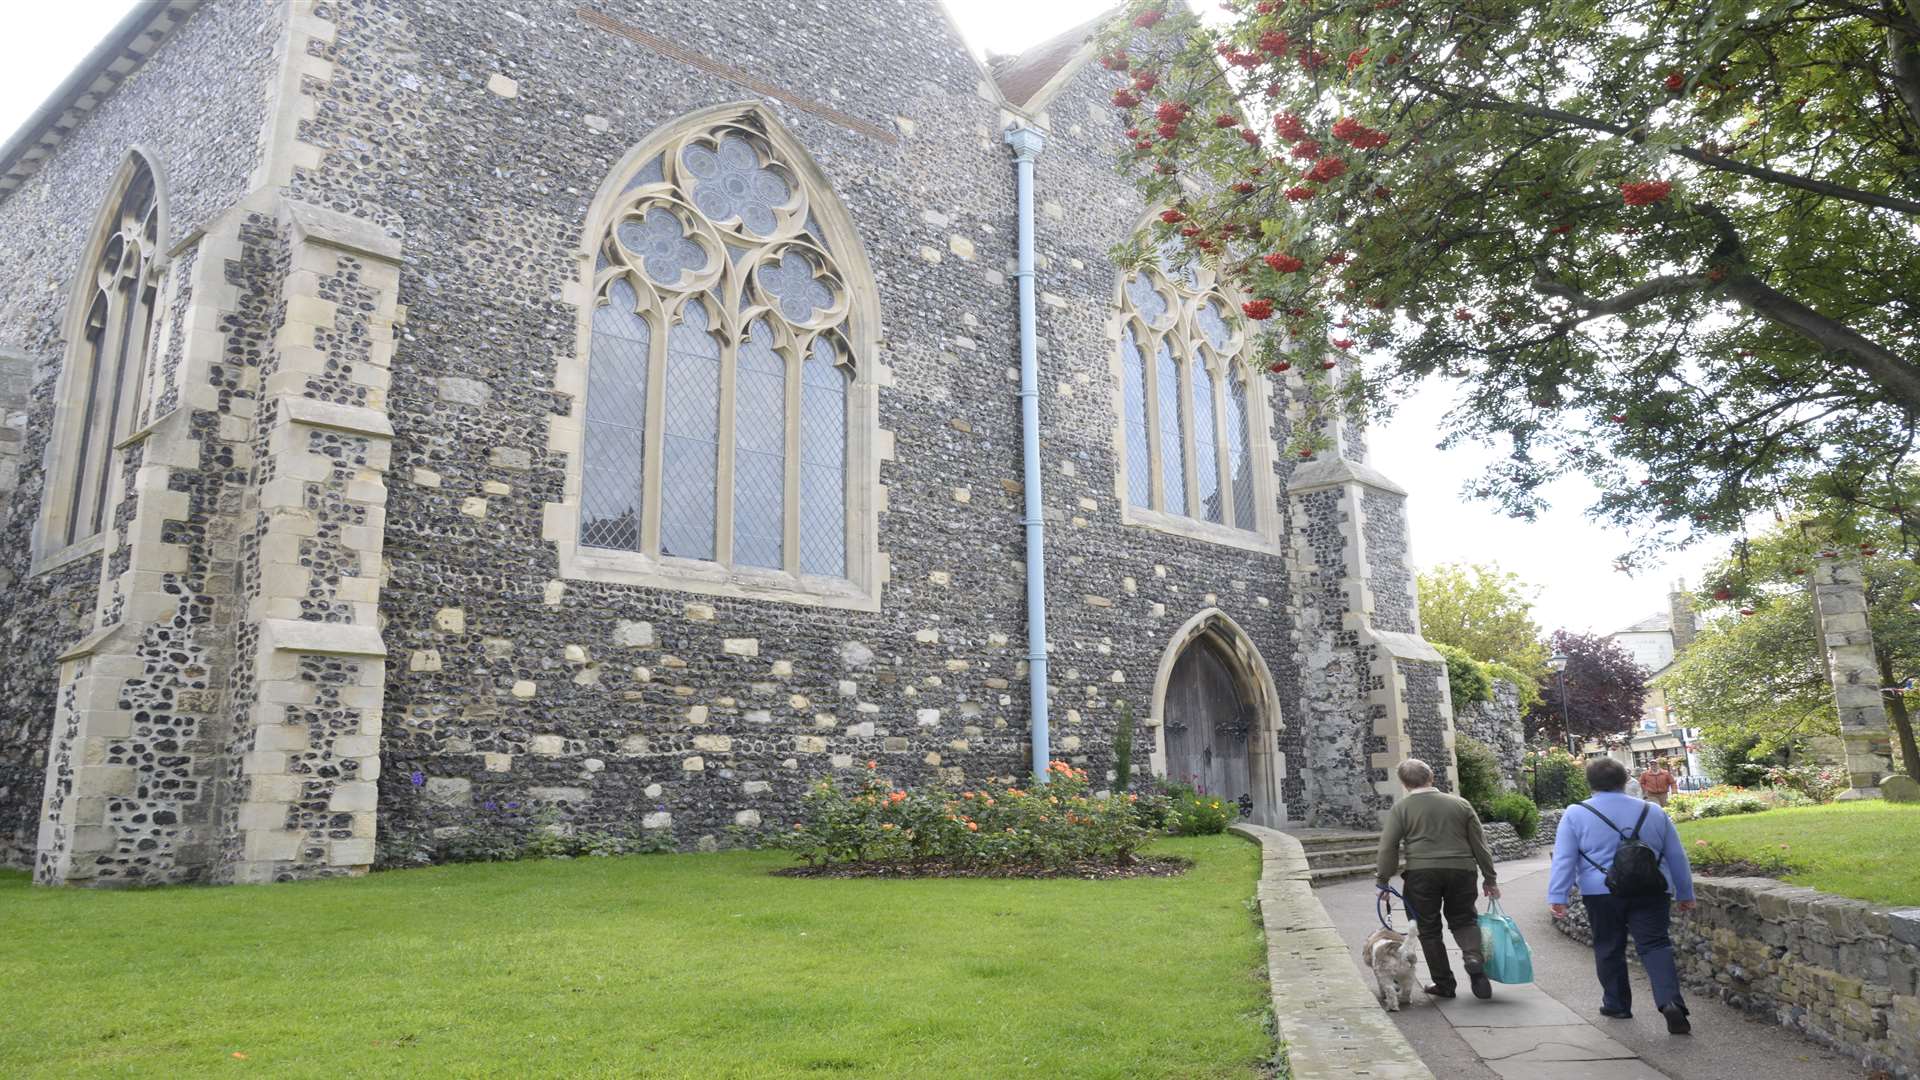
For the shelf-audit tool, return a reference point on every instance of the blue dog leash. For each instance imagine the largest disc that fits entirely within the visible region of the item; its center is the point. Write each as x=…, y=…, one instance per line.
x=1383, y=907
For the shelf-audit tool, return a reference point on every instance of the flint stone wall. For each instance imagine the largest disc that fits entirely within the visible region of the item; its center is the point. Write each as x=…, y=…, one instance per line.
x=1842, y=972
x=1497, y=723
x=1505, y=840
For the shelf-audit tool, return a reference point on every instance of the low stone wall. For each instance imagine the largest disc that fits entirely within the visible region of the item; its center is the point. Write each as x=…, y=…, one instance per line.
x=1505, y=840
x=1842, y=972
x=1326, y=1013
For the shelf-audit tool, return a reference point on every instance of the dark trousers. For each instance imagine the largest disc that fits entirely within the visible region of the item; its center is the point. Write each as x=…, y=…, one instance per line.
x=1447, y=896
x=1644, y=918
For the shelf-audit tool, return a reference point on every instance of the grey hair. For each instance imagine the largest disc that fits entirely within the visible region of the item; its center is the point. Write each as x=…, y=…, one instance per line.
x=1415, y=773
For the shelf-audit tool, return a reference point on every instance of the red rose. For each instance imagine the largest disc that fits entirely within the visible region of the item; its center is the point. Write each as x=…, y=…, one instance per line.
x=1283, y=263
x=1257, y=310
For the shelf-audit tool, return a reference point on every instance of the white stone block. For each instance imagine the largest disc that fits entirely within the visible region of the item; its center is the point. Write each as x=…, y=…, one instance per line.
x=524, y=689
x=633, y=635
x=547, y=744
x=747, y=818
x=694, y=764
x=741, y=646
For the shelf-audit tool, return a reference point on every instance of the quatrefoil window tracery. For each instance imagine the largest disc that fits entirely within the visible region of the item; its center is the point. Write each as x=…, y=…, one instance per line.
x=1188, y=421
x=721, y=337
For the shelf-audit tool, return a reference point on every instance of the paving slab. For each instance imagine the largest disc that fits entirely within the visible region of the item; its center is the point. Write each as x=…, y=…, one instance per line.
x=1631, y=1069
x=1511, y=1007
x=1572, y=1042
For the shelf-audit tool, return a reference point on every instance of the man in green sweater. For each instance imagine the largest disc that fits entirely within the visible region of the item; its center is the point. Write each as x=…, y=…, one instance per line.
x=1444, y=845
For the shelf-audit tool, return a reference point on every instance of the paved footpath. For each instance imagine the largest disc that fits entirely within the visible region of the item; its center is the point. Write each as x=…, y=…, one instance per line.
x=1553, y=1030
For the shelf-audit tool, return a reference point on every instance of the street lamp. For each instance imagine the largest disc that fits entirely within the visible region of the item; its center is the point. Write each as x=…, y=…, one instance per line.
x=1558, y=662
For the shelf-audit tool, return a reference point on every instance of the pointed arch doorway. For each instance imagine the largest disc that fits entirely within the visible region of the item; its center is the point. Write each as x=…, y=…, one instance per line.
x=1218, y=717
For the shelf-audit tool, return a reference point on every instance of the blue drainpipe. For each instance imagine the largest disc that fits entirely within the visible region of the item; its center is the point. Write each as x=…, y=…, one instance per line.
x=1026, y=143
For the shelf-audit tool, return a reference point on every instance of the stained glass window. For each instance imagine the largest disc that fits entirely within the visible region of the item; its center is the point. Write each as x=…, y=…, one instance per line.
x=105, y=376
x=1191, y=405
x=720, y=307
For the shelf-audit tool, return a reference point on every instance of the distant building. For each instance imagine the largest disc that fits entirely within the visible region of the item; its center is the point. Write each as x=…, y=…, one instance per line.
x=1655, y=642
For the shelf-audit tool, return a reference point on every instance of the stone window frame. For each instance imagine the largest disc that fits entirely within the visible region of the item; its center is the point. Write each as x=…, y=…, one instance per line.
x=1186, y=294
x=820, y=219
x=78, y=441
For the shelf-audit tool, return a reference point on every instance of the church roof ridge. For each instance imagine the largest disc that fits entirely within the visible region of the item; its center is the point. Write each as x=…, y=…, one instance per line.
x=1022, y=76
x=118, y=55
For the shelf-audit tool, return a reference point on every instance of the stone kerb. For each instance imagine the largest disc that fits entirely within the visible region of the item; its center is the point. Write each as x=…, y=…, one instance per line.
x=1843, y=972
x=1325, y=1013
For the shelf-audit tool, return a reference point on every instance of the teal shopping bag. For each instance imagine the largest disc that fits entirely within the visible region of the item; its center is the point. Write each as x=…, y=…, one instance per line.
x=1507, y=957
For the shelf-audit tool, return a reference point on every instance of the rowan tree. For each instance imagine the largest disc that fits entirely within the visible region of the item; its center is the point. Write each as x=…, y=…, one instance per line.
x=1668, y=246
x=1484, y=610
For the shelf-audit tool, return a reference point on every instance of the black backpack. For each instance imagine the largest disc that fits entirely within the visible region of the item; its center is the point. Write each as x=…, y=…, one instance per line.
x=1636, y=867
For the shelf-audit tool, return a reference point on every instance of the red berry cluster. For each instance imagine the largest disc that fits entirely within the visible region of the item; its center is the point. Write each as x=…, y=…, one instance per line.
x=1645, y=193
x=1283, y=263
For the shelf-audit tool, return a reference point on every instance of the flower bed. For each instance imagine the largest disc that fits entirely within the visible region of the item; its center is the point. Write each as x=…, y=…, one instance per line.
x=1724, y=801
x=1001, y=830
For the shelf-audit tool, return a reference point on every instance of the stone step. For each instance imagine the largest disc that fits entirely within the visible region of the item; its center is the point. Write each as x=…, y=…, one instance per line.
x=1330, y=860
x=1338, y=873
x=1313, y=839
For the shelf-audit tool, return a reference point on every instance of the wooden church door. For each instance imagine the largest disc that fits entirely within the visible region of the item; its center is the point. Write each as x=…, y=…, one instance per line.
x=1208, y=724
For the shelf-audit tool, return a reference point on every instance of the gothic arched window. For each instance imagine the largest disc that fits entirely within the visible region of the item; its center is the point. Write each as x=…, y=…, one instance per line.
x=726, y=437
x=1193, y=438
x=110, y=327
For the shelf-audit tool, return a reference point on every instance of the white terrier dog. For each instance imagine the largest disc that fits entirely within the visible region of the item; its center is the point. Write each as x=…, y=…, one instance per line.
x=1391, y=956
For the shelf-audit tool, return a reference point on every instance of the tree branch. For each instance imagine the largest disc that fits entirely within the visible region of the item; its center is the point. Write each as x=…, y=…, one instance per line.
x=1712, y=161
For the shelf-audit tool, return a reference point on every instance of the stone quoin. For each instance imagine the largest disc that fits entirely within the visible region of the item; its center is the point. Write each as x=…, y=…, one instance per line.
x=416, y=408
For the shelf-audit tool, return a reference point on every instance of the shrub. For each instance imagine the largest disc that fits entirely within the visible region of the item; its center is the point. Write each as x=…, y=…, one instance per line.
x=1732, y=763
x=1478, y=772
x=994, y=826
x=1517, y=810
x=1559, y=778
x=1728, y=801
x=1466, y=677
x=1123, y=750
x=1819, y=783
x=1192, y=812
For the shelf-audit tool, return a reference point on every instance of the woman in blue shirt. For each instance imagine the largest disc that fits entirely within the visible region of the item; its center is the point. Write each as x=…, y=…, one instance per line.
x=1584, y=848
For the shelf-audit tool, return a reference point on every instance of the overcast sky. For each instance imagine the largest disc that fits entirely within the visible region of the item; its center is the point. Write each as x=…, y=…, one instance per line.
x=1564, y=553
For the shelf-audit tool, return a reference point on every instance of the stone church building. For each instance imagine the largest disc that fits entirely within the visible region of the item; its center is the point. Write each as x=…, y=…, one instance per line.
x=615, y=407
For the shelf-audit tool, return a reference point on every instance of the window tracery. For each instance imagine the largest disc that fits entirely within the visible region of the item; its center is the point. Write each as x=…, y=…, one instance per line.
x=1189, y=431
x=721, y=378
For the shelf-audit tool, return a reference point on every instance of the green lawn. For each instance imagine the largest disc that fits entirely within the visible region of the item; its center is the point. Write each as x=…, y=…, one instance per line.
x=1866, y=850
x=659, y=965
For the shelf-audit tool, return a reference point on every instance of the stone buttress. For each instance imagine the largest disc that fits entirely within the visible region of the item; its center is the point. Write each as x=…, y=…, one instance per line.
x=1373, y=692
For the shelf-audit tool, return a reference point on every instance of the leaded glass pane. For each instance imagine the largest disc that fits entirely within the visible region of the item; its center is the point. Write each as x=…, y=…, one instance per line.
x=661, y=242
x=1213, y=323
x=823, y=463
x=795, y=289
x=1173, y=456
x=1146, y=299
x=654, y=172
x=1133, y=368
x=615, y=442
x=690, y=443
x=1240, y=453
x=1206, y=456
x=730, y=184
x=759, y=451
